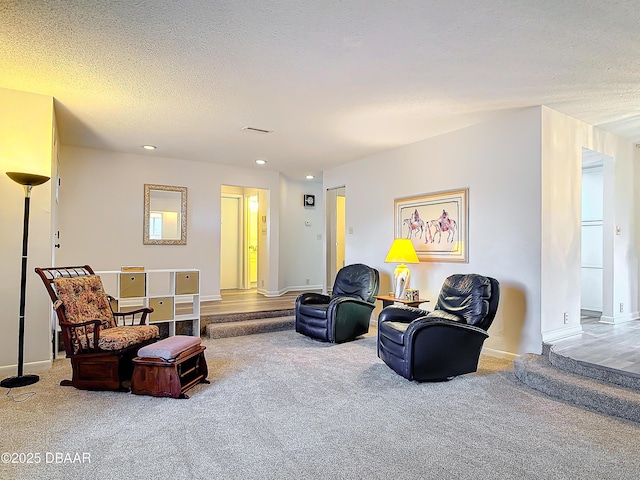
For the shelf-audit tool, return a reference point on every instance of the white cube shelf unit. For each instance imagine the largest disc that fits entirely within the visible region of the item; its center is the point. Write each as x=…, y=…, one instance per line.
x=174, y=295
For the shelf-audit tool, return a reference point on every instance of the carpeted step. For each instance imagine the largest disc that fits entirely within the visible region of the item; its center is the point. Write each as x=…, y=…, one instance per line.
x=537, y=372
x=249, y=327
x=598, y=372
x=236, y=317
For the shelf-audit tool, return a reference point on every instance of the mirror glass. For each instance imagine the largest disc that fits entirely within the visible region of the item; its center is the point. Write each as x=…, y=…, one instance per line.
x=165, y=215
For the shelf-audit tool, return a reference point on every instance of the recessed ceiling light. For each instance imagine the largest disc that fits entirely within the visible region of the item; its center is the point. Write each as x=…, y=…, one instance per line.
x=149, y=147
x=309, y=177
x=261, y=162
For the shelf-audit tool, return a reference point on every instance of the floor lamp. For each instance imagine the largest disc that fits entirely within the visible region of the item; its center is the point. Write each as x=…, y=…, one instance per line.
x=28, y=180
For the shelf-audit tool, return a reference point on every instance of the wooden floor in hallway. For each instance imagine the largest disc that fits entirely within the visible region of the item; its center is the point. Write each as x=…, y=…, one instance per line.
x=244, y=301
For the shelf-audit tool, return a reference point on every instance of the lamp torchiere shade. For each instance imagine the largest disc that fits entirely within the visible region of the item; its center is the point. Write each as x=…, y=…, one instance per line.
x=28, y=180
x=401, y=251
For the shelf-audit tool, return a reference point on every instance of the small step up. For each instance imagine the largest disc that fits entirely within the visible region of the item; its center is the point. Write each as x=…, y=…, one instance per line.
x=239, y=316
x=249, y=327
x=537, y=372
x=598, y=372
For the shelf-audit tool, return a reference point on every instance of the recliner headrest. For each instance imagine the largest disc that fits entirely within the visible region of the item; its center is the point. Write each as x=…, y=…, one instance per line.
x=357, y=280
x=470, y=296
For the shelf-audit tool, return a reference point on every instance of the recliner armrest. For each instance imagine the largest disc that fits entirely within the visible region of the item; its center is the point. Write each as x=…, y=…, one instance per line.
x=399, y=313
x=312, y=297
x=428, y=322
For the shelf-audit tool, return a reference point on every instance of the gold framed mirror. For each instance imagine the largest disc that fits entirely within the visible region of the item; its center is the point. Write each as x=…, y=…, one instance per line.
x=165, y=215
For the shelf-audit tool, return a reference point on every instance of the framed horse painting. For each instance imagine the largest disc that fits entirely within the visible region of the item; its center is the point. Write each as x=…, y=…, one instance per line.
x=436, y=223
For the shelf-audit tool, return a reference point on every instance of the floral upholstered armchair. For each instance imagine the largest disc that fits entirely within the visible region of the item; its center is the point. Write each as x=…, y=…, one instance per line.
x=100, y=343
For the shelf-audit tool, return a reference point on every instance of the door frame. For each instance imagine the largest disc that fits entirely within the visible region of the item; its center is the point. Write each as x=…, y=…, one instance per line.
x=244, y=194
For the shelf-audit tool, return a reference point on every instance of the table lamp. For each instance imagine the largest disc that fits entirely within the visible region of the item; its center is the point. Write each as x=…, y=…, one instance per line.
x=28, y=180
x=401, y=251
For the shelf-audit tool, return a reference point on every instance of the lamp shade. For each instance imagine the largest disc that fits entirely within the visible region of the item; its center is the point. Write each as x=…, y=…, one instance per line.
x=27, y=178
x=402, y=251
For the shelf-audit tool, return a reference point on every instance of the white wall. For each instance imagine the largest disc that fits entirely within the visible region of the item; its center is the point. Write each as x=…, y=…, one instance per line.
x=299, y=240
x=562, y=141
x=101, y=208
x=499, y=161
x=26, y=144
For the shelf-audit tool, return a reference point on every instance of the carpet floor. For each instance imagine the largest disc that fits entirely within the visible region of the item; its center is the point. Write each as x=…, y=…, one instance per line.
x=282, y=406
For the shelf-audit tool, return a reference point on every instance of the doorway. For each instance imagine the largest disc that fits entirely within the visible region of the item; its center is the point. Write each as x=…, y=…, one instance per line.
x=239, y=239
x=596, y=256
x=335, y=225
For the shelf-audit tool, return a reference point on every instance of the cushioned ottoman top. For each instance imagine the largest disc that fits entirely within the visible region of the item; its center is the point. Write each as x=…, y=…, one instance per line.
x=169, y=347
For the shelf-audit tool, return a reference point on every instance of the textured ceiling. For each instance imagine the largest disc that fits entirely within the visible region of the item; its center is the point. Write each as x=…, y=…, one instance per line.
x=335, y=80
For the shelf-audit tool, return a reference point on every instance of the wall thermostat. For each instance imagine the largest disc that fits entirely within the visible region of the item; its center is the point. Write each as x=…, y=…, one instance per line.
x=309, y=200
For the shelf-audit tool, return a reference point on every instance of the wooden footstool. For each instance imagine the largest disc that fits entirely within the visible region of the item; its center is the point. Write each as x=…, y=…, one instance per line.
x=169, y=367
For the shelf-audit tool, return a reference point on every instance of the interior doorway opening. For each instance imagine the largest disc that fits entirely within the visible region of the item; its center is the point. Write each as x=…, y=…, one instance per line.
x=596, y=264
x=240, y=242
x=336, y=205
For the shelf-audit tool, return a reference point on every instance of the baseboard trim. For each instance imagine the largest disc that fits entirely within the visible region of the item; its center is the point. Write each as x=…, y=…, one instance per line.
x=304, y=288
x=210, y=298
x=617, y=319
x=31, y=367
x=492, y=352
x=279, y=293
x=561, y=333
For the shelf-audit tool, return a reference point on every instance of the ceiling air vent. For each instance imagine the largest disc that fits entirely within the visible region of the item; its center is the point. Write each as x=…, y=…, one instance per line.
x=256, y=130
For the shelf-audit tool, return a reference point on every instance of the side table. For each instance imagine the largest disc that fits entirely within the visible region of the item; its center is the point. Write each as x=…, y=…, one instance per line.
x=390, y=300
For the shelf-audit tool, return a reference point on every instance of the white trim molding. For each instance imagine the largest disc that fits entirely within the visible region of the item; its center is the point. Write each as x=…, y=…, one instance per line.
x=552, y=336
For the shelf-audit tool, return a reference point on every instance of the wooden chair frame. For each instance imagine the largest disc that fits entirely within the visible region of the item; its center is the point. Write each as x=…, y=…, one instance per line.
x=93, y=368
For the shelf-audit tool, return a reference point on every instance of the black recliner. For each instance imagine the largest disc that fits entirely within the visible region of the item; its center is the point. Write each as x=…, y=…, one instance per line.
x=439, y=345
x=345, y=314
